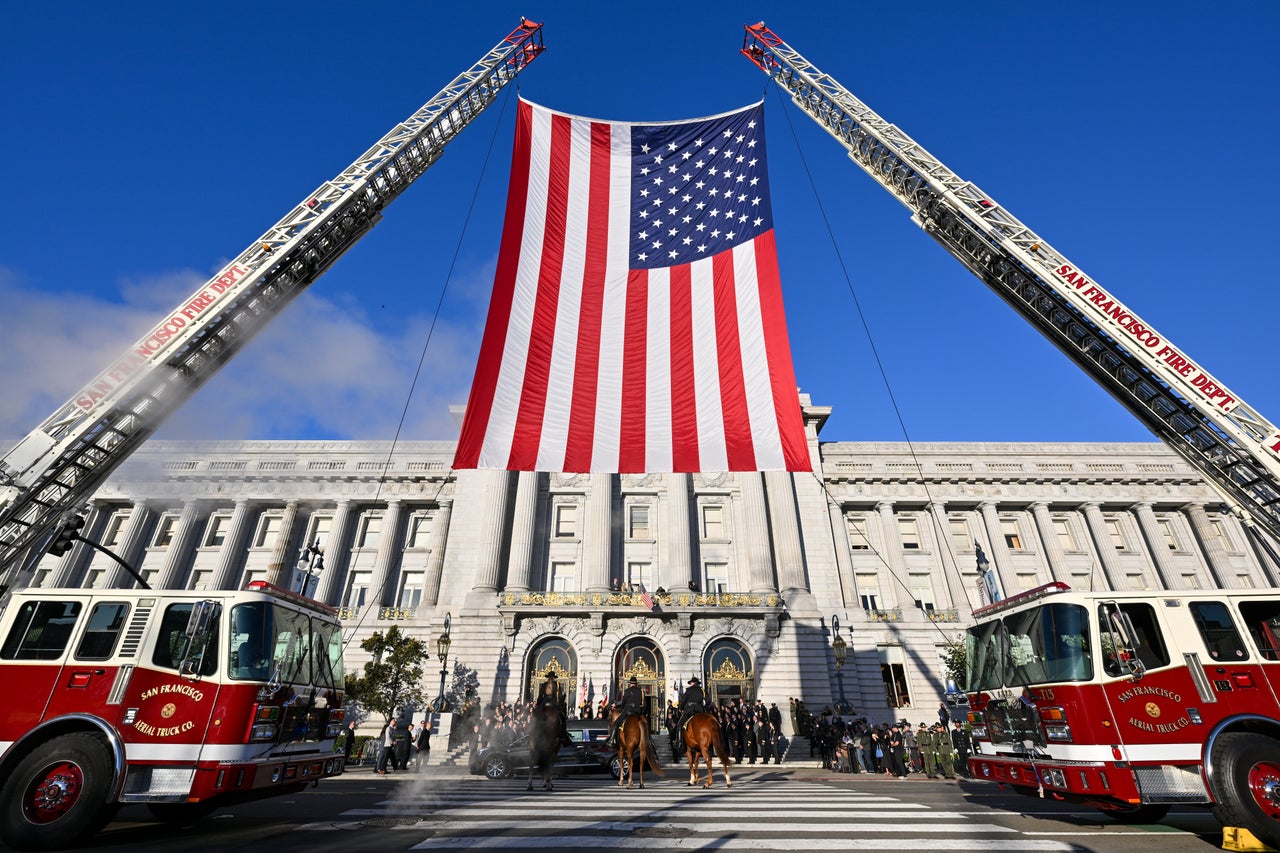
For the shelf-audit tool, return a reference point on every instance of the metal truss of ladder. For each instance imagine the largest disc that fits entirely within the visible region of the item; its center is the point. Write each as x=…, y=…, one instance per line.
x=1235, y=448
x=60, y=463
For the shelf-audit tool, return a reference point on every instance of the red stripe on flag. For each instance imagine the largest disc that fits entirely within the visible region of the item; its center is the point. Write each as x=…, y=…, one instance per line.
x=684, y=398
x=542, y=336
x=631, y=451
x=786, y=402
x=480, y=403
x=586, y=373
x=739, y=448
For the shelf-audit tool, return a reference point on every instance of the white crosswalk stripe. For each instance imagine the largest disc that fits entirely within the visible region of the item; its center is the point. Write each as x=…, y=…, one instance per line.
x=585, y=814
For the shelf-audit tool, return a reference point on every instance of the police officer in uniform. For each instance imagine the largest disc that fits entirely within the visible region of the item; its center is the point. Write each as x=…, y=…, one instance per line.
x=632, y=702
x=694, y=701
x=549, y=697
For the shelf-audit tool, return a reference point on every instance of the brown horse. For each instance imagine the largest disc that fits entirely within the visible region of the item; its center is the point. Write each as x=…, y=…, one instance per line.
x=702, y=734
x=634, y=743
x=544, y=743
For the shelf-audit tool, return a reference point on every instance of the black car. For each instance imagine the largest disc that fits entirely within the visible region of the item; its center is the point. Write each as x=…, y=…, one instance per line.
x=590, y=753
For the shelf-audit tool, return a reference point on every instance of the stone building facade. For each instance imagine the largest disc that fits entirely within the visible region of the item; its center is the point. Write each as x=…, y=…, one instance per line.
x=742, y=574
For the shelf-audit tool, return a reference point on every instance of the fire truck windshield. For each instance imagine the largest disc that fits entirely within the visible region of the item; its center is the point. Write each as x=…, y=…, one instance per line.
x=272, y=641
x=1045, y=644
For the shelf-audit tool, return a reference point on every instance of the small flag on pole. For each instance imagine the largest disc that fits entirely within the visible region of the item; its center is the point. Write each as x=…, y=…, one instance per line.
x=646, y=598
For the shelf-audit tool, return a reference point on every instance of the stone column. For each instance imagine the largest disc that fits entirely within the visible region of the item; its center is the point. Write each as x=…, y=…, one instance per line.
x=336, y=556
x=997, y=550
x=128, y=549
x=389, y=550
x=788, y=552
x=1215, y=555
x=1102, y=543
x=756, y=535
x=280, y=569
x=844, y=561
x=231, y=556
x=679, y=569
x=1156, y=545
x=597, y=540
x=956, y=592
x=172, y=573
x=1049, y=542
x=492, y=517
x=892, y=554
x=435, y=560
x=524, y=522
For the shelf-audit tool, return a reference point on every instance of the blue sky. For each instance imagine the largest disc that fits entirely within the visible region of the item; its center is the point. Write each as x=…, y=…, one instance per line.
x=149, y=143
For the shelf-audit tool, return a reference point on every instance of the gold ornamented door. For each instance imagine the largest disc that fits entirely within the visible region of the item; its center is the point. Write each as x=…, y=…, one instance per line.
x=729, y=673
x=642, y=659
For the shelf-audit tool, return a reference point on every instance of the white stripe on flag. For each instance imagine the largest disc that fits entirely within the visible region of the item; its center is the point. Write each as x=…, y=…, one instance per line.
x=657, y=389
x=755, y=362
x=712, y=455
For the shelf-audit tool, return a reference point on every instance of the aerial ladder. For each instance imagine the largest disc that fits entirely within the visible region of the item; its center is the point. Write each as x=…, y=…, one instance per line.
x=59, y=464
x=1228, y=441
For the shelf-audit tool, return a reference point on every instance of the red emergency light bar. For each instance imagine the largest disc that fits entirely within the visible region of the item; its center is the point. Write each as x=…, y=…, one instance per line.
x=1022, y=598
x=290, y=595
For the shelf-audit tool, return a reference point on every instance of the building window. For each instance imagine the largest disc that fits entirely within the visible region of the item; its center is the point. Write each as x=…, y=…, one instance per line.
x=922, y=591
x=268, y=531
x=566, y=521
x=713, y=522
x=419, y=531
x=253, y=575
x=638, y=574
x=164, y=531
x=1246, y=581
x=562, y=577
x=319, y=532
x=115, y=529
x=201, y=580
x=858, y=540
x=1066, y=537
x=638, y=528
x=910, y=533
x=216, y=533
x=411, y=586
x=1012, y=535
x=370, y=531
x=717, y=575
x=961, y=538
x=1221, y=530
x=1170, y=538
x=1191, y=580
x=1138, y=580
x=1027, y=580
x=1117, y=534
x=869, y=590
x=358, y=589
x=94, y=579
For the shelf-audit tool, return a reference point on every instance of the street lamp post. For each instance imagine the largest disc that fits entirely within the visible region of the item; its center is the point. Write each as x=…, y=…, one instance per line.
x=840, y=649
x=442, y=651
x=311, y=558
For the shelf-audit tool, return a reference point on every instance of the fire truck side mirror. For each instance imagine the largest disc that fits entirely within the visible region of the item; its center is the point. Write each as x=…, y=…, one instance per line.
x=1122, y=624
x=201, y=629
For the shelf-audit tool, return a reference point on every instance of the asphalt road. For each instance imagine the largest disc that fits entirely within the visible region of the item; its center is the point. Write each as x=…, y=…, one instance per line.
x=768, y=808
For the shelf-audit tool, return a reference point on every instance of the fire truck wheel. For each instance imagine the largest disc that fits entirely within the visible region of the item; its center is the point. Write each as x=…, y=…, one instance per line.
x=57, y=794
x=1246, y=784
x=181, y=813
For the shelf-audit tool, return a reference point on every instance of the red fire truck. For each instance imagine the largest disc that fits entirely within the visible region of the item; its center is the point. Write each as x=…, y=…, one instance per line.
x=1132, y=702
x=183, y=700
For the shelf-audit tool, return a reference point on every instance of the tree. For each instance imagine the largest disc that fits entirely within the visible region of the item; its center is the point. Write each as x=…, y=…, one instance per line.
x=955, y=659
x=393, y=679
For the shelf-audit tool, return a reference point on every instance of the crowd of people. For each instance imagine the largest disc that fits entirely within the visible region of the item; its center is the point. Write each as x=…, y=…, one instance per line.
x=938, y=749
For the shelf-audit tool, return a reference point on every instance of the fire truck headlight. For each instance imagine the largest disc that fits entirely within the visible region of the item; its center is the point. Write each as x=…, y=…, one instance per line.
x=986, y=770
x=266, y=731
x=1058, y=734
x=980, y=732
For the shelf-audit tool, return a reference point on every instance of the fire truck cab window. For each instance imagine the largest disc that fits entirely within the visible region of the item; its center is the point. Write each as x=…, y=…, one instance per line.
x=41, y=630
x=172, y=643
x=1048, y=644
x=1221, y=639
x=106, y=622
x=327, y=653
x=1151, y=648
x=270, y=641
x=1262, y=618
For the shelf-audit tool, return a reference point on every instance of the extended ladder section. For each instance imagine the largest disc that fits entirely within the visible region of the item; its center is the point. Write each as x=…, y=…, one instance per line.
x=64, y=460
x=1212, y=428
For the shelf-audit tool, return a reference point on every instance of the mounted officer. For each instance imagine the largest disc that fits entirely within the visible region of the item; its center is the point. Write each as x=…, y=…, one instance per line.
x=632, y=702
x=694, y=702
x=549, y=696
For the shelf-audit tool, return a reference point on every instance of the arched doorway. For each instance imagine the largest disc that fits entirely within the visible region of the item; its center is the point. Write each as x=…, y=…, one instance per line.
x=554, y=654
x=729, y=672
x=642, y=659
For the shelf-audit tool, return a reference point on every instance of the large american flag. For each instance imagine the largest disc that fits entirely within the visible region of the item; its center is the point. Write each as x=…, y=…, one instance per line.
x=636, y=322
